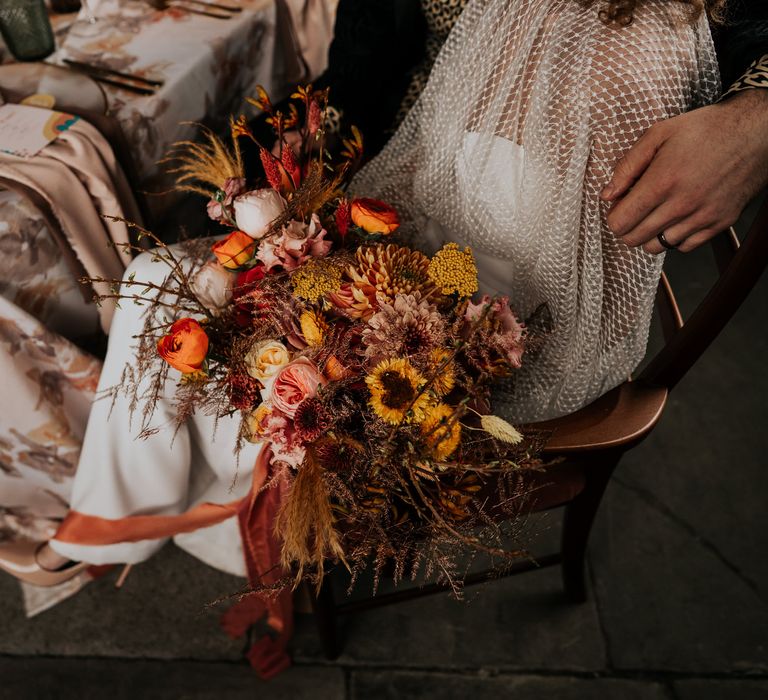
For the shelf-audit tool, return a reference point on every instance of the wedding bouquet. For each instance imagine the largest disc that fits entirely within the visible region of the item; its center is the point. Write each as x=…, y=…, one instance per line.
x=362, y=364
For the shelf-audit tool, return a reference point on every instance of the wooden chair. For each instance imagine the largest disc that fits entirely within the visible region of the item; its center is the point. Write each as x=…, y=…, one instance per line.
x=593, y=440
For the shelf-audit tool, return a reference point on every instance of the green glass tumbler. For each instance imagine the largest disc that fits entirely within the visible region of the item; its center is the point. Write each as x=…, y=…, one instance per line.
x=26, y=29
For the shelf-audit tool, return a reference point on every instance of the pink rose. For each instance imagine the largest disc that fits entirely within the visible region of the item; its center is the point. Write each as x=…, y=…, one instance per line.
x=295, y=382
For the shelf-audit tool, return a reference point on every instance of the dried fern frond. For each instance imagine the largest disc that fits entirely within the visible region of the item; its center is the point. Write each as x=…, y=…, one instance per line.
x=205, y=167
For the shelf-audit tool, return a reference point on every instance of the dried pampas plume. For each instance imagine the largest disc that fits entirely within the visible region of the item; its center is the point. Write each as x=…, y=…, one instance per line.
x=501, y=430
x=205, y=167
x=306, y=525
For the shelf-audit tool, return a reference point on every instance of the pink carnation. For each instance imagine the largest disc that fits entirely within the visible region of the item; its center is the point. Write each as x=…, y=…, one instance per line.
x=509, y=333
x=222, y=210
x=297, y=243
x=286, y=447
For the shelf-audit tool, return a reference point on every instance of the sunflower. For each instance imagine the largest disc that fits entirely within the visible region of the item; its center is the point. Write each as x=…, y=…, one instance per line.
x=441, y=431
x=395, y=388
x=446, y=377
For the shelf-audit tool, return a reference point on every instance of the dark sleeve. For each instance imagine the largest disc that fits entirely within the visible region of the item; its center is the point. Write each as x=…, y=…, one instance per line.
x=742, y=38
x=376, y=44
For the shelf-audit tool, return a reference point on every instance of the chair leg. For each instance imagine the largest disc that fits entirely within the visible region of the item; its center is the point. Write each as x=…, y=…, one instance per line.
x=324, y=609
x=577, y=524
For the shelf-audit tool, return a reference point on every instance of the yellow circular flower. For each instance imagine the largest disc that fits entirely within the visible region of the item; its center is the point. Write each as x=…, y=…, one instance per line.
x=313, y=327
x=316, y=278
x=446, y=377
x=454, y=271
x=441, y=431
x=395, y=385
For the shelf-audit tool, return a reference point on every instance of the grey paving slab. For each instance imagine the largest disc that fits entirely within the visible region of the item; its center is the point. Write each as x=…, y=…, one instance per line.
x=516, y=623
x=707, y=689
x=706, y=459
x=159, y=613
x=395, y=685
x=677, y=549
x=666, y=601
x=86, y=679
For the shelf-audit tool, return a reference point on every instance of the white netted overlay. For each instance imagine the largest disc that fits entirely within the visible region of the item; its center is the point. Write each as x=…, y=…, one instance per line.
x=529, y=106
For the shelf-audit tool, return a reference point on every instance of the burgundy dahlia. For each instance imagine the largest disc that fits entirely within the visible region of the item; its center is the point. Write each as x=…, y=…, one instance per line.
x=244, y=391
x=311, y=420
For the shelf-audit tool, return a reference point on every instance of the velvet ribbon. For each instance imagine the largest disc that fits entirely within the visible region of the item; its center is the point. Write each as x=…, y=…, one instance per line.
x=256, y=516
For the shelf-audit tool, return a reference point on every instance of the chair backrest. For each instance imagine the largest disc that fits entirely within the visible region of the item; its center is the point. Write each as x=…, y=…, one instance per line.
x=739, y=267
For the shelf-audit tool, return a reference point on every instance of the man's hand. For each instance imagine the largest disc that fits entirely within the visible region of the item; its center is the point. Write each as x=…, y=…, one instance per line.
x=691, y=176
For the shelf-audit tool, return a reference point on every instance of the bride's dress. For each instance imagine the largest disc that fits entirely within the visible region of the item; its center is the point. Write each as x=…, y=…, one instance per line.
x=529, y=106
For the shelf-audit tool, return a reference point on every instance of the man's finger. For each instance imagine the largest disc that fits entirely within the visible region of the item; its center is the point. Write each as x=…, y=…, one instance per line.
x=687, y=235
x=630, y=211
x=698, y=239
x=629, y=169
x=661, y=218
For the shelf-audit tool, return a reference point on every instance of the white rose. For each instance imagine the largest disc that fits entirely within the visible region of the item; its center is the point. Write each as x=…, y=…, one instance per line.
x=256, y=210
x=265, y=359
x=212, y=285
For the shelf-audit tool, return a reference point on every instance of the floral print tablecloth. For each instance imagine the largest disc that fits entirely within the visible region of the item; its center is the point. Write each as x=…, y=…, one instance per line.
x=208, y=67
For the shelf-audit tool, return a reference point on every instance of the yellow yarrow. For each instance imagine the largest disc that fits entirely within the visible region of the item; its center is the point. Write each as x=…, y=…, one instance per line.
x=454, y=271
x=315, y=279
x=442, y=431
x=395, y=385
x=313, y=327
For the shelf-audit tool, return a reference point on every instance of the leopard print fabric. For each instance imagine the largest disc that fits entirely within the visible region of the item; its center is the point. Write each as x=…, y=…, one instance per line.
x=756, y=76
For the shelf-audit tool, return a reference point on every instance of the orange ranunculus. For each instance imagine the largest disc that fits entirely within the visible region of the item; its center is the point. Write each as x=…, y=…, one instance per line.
x=185, y=347
x=235, y=250
x=374, y=216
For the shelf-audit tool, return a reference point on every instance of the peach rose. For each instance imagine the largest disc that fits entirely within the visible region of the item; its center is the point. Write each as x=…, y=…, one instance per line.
x=235, y=250
x=265, y=359
x=374, y=216
x=185, y=347
x=297, y=381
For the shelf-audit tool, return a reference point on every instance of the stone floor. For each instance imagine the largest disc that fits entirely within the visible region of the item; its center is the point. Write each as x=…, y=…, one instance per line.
x=679, y=605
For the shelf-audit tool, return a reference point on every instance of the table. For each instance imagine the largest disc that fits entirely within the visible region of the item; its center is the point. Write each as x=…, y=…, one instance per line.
x=209, y=66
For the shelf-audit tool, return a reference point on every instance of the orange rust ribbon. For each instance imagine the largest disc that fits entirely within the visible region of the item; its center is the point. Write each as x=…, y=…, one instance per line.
x=256, y=514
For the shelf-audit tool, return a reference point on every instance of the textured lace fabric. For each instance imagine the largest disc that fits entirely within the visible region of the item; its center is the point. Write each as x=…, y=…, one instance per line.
x=529, y=106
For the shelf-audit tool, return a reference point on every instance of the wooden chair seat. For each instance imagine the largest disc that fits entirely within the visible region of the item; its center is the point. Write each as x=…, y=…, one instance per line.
x=622, y=417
